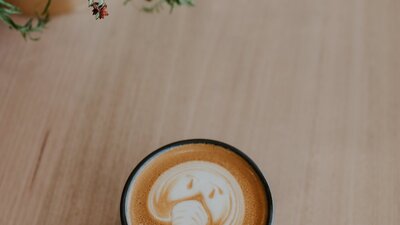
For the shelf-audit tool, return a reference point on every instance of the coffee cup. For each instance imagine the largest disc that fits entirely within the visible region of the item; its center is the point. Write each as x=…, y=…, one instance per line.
x=196, y=182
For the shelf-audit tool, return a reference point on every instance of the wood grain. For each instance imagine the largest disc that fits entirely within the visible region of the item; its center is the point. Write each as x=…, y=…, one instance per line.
x=309, y=89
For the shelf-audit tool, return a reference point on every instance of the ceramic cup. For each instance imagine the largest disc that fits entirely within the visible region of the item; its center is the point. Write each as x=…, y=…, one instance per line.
x=156, y=153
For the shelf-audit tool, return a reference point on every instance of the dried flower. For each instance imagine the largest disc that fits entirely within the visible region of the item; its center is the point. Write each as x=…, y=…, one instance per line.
x=103, y=12
x=99, y=9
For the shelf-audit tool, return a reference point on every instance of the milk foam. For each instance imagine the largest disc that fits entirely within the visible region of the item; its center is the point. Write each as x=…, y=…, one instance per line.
x=197, y=193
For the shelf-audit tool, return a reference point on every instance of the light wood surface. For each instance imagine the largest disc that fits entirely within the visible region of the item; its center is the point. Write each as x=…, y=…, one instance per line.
x=309, y=89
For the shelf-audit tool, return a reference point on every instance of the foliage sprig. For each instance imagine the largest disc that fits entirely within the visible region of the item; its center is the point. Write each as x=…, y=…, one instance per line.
x=158, y=5
x=99, y=9
x=31, y=26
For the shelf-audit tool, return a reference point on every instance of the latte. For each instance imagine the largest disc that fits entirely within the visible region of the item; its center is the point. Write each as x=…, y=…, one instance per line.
x=196, y=182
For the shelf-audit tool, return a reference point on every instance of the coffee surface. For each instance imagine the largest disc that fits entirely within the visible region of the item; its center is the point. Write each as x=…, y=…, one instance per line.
x=196, y=184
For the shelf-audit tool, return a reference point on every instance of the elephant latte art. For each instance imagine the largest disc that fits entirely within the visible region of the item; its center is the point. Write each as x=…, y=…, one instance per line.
x=197, y=192
x=196, y=184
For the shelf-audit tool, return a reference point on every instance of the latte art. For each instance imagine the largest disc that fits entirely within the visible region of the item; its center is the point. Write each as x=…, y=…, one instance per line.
x=189, y=213
x=197, y=193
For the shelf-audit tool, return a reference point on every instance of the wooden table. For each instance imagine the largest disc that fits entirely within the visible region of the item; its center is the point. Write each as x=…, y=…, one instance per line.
x=309, y=89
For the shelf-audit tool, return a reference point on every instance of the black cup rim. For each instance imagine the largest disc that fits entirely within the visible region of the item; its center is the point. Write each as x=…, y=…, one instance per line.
x=198, y=141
